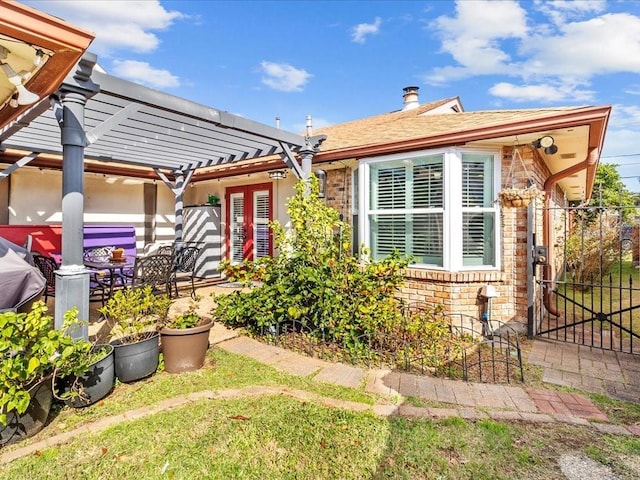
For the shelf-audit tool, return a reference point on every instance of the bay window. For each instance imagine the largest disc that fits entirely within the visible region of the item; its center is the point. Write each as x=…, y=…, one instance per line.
x=437, y=207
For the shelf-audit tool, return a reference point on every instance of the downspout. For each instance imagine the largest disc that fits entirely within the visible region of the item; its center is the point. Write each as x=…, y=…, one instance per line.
x=549, y=185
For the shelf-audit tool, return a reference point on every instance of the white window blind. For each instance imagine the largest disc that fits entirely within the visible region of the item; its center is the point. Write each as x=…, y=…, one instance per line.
x=261, y=224
x=478, y=212
x=237, y=227
x=437, y=208
x=407, y=200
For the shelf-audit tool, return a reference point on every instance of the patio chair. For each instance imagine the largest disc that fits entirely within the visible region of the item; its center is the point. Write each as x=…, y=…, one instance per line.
x=183, y=267
x=155, y=271
x=165, y=250
x=97, y=254
x=99, y=280
x=47, y=267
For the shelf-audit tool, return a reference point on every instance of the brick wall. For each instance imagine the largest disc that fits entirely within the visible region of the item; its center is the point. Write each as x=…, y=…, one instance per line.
x=459, y=293
x=339, y=191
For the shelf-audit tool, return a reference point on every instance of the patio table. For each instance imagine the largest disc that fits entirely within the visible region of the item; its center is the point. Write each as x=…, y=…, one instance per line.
x=114, y=269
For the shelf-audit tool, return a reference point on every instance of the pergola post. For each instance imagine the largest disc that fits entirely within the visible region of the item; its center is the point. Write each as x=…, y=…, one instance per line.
x=72, y=279
x=179, y=204
x=306, y=156
x=177, y=187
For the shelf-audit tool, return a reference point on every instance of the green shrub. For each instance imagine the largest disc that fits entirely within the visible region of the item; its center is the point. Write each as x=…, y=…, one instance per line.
x=137, y=312
x=31, y=350
x=315, y=282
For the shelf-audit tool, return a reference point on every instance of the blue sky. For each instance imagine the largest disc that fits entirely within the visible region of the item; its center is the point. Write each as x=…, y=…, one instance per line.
x=344, y=60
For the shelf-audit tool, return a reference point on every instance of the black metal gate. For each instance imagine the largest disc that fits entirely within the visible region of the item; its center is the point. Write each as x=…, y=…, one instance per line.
x=588, y=286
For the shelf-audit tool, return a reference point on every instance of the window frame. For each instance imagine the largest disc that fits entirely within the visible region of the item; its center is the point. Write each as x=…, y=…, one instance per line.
x=452, y=220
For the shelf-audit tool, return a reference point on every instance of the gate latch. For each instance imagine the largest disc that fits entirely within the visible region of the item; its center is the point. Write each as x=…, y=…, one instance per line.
x=540, y=255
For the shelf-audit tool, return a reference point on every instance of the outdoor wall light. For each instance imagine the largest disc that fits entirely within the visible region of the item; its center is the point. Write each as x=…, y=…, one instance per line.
x=321, y=175
x=25, y=97
x=278, y=174
x=38, y=59
x=546, y=142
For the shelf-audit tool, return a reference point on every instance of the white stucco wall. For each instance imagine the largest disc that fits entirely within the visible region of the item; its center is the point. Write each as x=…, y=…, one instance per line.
x=36, y=198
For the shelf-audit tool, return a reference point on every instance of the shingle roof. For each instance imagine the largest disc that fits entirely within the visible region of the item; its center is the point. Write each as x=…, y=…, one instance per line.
x=419, y=123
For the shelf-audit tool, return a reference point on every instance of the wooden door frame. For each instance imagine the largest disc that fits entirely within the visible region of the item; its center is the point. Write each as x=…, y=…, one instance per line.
x=247, y=191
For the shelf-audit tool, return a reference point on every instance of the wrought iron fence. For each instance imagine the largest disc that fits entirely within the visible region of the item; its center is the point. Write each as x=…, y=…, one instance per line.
x=470, y=349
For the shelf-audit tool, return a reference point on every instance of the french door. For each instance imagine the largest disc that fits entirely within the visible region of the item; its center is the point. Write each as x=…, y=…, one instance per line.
x=248, y=215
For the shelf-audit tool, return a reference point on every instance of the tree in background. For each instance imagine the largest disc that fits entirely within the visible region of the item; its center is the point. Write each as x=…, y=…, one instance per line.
x=609, y=191
x=598, y=230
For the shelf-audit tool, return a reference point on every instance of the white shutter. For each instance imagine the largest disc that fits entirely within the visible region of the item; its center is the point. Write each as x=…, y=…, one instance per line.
x=388, y=232
x=237, y=227
x=427, y=238
x=392, y=188
x=473, y=184
x=428, y=186
x=261, y=224
x=408, y=197
x=478, y=215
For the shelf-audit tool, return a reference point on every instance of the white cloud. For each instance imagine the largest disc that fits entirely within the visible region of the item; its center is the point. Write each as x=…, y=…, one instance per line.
x=561, y=11
x=284, y=77
x=556, y=58
x=633, y=89
x=621, y=143
x=123, y=25
x=362, y=30
x=547, y=93
x=601, y=45
x=142, y=72
x=473, y=36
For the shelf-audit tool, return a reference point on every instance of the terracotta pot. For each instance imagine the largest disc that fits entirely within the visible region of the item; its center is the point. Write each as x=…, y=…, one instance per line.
x=184, y=349
x=33, y=419
x=136, y=360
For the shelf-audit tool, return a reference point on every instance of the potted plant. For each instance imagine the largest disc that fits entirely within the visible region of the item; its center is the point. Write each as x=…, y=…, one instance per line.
x=135, y=339
x=185, y=339
x=32, y=352
x=96, y=383
x=519, y=197
x=213, y=200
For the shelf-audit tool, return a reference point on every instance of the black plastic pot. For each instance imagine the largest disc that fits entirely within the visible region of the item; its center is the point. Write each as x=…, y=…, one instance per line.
x=33, y=419
x=136, y=360
x=96, y=384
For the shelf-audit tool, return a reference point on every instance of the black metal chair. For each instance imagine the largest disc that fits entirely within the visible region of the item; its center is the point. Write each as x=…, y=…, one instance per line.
x=154, y=271
x=165, y=250
x=98, y=254
x=183, y=267
x=47, y=267
x=99, y=280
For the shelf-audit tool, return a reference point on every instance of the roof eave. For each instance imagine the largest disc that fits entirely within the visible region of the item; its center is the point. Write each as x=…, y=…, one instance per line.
x=33, y=27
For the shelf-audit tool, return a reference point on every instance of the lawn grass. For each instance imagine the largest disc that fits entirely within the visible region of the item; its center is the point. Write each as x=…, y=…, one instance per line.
x=276, y=437
x=222, y=370
x=279, y=437
x=614, y=293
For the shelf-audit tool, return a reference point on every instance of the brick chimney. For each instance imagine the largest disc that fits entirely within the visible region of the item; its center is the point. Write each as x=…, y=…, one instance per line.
x=410, y=97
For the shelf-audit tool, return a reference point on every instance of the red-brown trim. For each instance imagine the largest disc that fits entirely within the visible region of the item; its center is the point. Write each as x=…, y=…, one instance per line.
x=594, y=117
x=66, y=41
